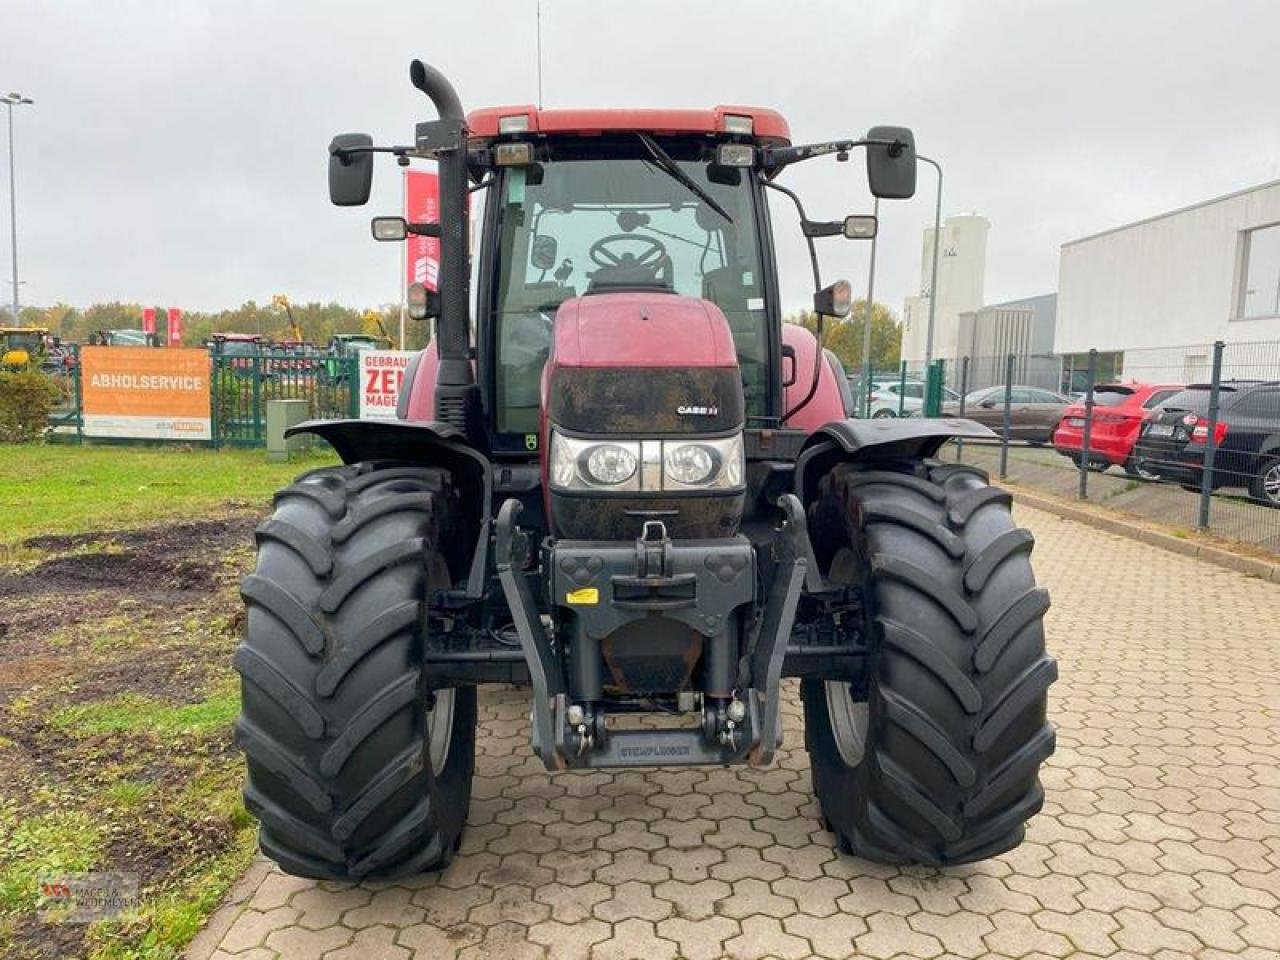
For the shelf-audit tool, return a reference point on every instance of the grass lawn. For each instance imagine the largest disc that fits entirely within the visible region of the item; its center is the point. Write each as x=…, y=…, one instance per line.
x=119, y=616
x=64, y=488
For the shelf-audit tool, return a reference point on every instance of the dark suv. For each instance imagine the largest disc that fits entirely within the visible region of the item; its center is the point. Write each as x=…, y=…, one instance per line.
x=1173, y=440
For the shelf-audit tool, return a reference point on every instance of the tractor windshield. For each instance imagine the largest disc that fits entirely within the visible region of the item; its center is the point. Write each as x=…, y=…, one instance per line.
x=30, y=341
x=602, y=216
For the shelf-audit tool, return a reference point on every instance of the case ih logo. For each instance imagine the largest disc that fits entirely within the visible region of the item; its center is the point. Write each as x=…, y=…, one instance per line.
x=692, y=411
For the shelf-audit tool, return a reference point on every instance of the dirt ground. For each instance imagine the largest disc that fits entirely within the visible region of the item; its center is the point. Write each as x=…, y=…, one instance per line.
x=116, y=701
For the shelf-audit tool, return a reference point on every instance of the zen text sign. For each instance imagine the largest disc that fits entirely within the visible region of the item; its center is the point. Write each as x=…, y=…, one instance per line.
x=381, y=377
x=146, y=393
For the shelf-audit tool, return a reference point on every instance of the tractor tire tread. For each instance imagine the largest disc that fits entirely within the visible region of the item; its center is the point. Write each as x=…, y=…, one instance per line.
x=959, y=674
x=330, y=669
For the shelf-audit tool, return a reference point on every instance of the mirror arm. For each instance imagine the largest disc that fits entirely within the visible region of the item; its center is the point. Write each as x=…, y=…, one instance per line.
x=775, y=157
x=344, y=154
x=813, y=253
x=827, y=228
x=423, y=229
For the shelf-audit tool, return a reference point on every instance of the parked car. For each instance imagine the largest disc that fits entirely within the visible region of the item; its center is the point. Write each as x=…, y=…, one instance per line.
x=1173, y=441
x=1034, y=415
x=1118, y=414
x=899, y=398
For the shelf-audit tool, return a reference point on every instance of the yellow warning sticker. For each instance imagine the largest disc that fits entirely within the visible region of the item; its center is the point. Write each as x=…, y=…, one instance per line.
x=587, y=596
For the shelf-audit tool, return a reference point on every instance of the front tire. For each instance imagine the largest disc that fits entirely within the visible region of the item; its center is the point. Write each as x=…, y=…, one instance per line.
x=1265, y=486
x=934, y=758
x=356, y=768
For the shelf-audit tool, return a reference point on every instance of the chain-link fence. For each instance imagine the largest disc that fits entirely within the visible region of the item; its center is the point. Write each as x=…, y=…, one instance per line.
x=1188, y=435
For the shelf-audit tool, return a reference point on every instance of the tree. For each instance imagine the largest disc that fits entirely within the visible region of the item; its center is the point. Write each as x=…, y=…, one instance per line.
x=843, y=337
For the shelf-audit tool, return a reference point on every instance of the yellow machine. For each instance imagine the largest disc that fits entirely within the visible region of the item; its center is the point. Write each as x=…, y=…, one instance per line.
x=20, y=346
x=371, y=319
x=295, y=331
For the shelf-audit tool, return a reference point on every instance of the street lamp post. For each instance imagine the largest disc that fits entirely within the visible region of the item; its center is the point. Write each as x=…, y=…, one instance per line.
x=937, y=242
x=12, y=100
x=864, y=401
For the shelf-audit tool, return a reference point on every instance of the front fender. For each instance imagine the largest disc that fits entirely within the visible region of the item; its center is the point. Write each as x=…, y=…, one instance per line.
x=890, y=438
x=410, y=441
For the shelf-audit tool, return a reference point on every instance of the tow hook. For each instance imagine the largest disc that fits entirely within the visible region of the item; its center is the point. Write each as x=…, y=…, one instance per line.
x=577, y=719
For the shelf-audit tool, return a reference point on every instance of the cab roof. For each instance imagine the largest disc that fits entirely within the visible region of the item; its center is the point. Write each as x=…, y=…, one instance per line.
x=767, y=125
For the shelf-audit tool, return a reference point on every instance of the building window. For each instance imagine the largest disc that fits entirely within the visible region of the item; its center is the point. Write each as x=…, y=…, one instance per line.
x=1260, y=293
x=1195, y=367
x=1075, y=370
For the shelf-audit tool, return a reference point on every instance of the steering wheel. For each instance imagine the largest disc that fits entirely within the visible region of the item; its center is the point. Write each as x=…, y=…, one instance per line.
x=652, y=264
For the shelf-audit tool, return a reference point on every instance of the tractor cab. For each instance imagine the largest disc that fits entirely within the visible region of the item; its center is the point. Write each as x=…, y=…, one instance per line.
x=20, y=346
x=591, y=204
x=348, y=344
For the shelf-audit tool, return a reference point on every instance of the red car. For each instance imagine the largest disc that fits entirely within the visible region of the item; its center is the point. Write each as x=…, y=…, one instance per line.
x=1118, y=412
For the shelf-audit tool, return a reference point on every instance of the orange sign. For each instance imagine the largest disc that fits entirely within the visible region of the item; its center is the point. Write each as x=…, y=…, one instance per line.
x=145, y=392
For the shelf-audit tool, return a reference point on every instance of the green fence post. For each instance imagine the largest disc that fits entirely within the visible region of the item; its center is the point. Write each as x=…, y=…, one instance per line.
x=353, y=385
x=1086, y=441
x=77, y=379
x=933, y=389
x=902, y=388
x=213, y=401
x=1211, y=437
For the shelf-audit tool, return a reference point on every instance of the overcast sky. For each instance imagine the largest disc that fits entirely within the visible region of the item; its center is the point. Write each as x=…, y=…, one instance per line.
x=176, y=150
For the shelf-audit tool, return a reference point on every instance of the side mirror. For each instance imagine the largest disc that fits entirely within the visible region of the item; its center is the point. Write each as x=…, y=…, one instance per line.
x=788, y=365
x=421, y=303
x=389, y=228
x=891, y=168
x=350, y=174
x=988, y=404
x=860, y=227
x=834, y=300
x=543, y=252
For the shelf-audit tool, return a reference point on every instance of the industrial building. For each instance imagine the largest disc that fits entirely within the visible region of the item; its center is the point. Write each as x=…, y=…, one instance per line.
x=962, y=268
x=1023, y=328
x=1153, y=296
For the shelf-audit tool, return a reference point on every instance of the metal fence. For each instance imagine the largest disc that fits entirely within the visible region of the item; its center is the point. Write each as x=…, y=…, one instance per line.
x=240, y=386
x=1207, y=457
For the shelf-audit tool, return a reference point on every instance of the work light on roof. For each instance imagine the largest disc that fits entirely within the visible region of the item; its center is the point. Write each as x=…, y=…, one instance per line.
x=735, y=155
x=513, y=154
x=734, y=123
x=516, y=123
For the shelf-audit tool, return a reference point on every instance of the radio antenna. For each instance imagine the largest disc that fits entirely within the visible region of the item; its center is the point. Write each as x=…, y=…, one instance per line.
x=538, y=4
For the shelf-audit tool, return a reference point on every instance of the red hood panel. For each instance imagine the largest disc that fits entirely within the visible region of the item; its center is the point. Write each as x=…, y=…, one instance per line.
x=641, y=330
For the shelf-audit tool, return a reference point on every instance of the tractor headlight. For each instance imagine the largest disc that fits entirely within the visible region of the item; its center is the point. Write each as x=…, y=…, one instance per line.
x=651, y=466
x=689, y=463
x=609, y=464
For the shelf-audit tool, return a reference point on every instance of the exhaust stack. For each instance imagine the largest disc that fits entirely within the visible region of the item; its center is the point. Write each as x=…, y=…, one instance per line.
x=457, y=395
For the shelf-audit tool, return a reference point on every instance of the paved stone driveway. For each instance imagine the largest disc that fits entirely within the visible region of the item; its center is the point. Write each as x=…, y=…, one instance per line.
x=1160, y=835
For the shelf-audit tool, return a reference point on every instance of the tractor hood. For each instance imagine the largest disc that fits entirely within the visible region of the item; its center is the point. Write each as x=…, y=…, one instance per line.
x=640, y=363
x=646, y=329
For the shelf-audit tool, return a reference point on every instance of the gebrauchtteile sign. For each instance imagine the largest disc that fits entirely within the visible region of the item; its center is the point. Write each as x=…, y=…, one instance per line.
x=381, y=377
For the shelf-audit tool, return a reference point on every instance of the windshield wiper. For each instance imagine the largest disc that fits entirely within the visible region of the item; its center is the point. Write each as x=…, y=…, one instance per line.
x=671, y=169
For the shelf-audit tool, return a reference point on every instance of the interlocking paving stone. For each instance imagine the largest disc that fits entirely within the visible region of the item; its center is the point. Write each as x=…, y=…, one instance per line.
x=1160, y=836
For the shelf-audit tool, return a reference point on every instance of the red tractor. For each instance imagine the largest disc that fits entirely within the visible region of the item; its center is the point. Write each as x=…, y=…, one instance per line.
x=635, y=491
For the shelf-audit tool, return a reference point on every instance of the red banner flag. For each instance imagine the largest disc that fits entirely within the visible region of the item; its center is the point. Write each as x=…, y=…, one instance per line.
x=175, y=327
x=149, y=320
x=421, y=205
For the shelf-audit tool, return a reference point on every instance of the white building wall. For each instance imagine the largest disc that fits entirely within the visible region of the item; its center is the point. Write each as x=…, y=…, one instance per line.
x=1170, y=281
x=962, y=269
